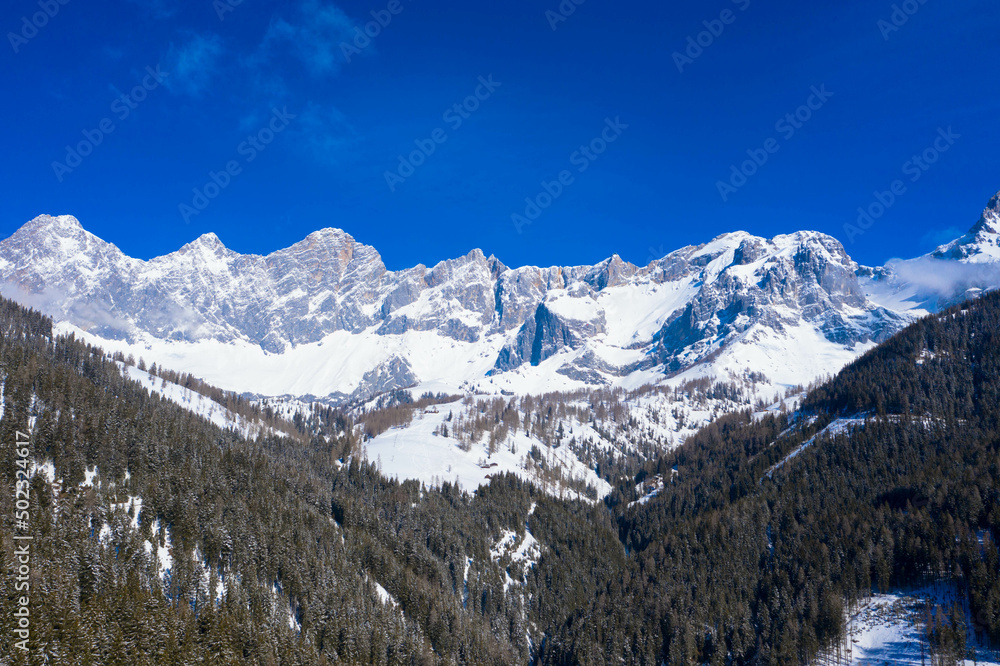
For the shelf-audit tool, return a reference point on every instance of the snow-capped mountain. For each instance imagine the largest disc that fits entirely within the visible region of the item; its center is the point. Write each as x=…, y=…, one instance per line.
x=956, y=271
x=325, y=317
x=982, y=243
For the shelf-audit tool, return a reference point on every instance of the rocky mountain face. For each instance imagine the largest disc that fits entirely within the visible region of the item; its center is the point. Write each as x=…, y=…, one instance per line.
x=329, y=303
x=804, y=278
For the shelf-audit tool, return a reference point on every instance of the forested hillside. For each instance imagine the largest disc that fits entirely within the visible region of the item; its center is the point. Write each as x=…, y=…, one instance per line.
x=769, y=528
x=166, y=540
x=160, y=538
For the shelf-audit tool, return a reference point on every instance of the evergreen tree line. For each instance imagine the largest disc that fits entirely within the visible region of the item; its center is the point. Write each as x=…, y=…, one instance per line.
x=277, y=543
x=730, y=565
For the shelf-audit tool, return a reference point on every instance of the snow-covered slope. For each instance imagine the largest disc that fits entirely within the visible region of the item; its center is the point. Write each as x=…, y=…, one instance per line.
x=325, y=319
x=194, y=402
x=424, y=451
x=891, y=629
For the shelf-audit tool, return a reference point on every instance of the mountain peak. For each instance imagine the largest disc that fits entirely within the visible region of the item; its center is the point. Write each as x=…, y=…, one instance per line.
x=990, y=221
x=805, y=237
x=982, y=243
x=331, y=234
x=612, y=319
x=63, y=234
x=994, y=204
x=476, y=255
x=55, y=222
x=205, y=245
x=208, y=240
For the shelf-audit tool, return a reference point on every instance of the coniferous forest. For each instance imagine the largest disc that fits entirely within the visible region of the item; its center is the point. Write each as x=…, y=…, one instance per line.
x=288, y=548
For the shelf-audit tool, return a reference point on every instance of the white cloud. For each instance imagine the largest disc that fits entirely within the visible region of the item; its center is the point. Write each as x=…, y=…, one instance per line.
x=314, y=37
x=946, y=279
x=193, y=63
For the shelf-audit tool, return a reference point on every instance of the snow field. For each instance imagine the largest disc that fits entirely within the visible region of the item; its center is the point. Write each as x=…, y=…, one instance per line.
x=889, y=629
x=416, y=452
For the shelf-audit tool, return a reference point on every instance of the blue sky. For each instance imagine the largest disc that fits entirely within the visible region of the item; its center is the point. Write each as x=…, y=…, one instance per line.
x=304, y=121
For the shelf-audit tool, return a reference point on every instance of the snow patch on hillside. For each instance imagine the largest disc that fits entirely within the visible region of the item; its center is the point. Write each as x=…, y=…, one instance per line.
x=889, y=629
x=799, y=354
x=164, y=558
x=88, y=477
x=132, y=506
x=656, y=490
x=521, y=552
x=384, y=596
x=634, y=314
x=336, y=364
x=47, y=469
x=417, y=452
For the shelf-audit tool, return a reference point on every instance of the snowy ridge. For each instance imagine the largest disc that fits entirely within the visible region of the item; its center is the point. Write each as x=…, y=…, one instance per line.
x=325, y=319
x=193, y=402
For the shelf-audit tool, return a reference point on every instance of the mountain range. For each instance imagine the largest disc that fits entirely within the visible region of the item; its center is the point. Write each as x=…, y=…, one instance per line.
x=325, y=319
x=826, y=533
